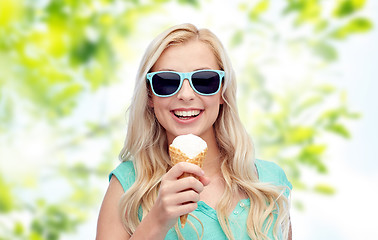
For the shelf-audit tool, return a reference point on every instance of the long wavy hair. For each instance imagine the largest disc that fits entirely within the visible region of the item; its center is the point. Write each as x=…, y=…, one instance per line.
x=146, y=145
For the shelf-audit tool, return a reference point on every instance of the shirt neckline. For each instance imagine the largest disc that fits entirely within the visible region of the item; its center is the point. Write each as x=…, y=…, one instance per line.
x=211, y=212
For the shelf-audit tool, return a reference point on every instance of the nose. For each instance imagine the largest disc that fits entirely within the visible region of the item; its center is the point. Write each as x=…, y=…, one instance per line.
x=186, y=92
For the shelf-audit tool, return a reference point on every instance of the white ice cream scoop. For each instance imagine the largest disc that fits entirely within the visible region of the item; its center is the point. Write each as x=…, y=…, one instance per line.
x=191, y=145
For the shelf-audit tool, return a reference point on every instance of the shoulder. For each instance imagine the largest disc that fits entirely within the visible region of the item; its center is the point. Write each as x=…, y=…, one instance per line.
x=125, y=173
x=271, y=172
x=109, y=223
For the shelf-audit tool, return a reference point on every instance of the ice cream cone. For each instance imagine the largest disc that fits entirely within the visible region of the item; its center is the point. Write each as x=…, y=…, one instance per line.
x=177, y=155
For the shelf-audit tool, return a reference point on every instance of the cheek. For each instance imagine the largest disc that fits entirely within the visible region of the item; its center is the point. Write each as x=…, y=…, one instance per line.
x=217, y=102
x=214, y=107
x=160, y=117
x=160, y=106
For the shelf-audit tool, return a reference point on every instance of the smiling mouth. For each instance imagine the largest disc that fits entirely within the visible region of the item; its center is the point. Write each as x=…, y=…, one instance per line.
x=184, y=115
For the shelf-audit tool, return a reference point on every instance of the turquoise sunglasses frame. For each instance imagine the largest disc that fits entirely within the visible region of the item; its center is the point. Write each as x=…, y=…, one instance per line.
x=183, y=76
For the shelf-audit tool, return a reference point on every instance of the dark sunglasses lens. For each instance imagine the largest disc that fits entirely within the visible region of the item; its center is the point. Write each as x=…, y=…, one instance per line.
x=206, y=82
x=165, y=83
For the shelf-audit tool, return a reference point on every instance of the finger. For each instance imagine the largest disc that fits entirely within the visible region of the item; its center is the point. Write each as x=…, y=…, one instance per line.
x=189, y=183
x=183, y=167
x=180, y=185
x=204, y=180
x=185, y=197
x=186, y=208
x=174, y=186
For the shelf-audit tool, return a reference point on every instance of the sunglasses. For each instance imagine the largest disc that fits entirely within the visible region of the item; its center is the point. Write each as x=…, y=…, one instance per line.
x=168, y=83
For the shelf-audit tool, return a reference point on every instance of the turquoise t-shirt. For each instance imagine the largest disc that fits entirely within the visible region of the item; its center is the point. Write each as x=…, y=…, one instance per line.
x=268, y=172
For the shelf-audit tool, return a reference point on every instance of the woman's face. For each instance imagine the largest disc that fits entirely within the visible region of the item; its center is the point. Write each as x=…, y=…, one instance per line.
x=187, y=112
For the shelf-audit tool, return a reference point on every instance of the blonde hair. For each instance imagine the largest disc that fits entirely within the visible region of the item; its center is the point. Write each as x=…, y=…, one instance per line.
x=146, y=145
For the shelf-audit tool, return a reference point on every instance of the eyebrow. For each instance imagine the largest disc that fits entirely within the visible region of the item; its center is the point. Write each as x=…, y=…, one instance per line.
x=166, y=69
x=204, y=68
x=172, y=70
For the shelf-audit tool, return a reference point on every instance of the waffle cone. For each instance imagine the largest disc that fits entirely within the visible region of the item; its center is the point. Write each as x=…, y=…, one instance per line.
x=177, y=156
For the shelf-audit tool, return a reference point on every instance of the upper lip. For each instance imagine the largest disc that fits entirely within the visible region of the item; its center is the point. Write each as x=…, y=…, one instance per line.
x=186, y=111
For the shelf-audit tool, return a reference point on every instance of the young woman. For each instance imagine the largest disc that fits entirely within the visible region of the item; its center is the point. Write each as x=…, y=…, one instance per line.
x=186, y=84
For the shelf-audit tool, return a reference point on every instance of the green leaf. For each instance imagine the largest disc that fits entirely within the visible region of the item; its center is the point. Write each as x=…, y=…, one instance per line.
x=193, y=3
x=348, y=7
x=352, y=115
x=330, y=116
x=35, y=236
x=18, y=228
x=312, y=156
x=7, y=110
x=325, y=88
x=314, y=149
x=339, y=130
x=298, y=185
x=306, y=105
x=258, y=9
x=6, y=198
x=325, y=189
x=357, y=25
x=321, y=25
x=358, y=3
x=310, y=11
x=237, y=38
x=299, y=205
x=10, y=11
x=83, y=52
x=300, y=134
x=78, y=171
x=293, y=6
x=69, y=92
x=326, y=51
x=50, y=221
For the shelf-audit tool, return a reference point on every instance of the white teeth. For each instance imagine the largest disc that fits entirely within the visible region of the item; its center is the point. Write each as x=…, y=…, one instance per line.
x=187, y=113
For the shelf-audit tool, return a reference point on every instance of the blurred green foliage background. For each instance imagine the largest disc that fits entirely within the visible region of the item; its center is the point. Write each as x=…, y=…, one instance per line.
x=66, y=74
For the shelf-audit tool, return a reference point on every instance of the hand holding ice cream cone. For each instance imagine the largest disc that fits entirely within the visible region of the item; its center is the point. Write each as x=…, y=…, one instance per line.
x=187, y=148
